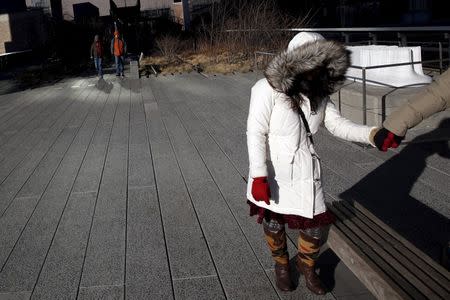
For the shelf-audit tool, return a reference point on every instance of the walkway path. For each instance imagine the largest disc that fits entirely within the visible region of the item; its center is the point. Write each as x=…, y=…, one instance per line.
x=135, y=189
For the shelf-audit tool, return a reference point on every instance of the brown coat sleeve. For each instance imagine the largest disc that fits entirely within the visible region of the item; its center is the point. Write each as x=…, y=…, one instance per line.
x=433, y=99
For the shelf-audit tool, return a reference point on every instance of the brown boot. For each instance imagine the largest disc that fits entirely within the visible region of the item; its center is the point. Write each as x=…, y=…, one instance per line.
x=309, y=243
x=276, y=240
x=283, y=278
x=312, y=281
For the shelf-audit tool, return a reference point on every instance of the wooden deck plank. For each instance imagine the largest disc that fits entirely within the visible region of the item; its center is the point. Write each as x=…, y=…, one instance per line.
x=412, y=269
x=391, y=208
x=399, y=275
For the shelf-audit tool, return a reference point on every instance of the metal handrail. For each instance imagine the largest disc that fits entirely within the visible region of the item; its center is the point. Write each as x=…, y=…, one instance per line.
x=398, y=64
x=359, y=29
x=365, y=80
x=375, y=29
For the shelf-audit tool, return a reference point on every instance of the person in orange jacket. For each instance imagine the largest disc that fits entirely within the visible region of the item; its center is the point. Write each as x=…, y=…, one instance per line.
x=97, y=55
x=118, y=49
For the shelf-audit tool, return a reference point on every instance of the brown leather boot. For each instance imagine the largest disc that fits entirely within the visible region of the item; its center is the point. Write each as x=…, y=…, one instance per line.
x=283, y=278
x=312, y=281
x=276, y=240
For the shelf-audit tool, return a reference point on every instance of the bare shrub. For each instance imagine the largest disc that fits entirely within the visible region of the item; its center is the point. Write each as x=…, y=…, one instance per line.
x=169, y=46
x=227, y=38
x=246, y=26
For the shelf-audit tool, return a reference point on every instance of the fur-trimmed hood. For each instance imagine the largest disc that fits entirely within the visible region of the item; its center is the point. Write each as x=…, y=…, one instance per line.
x=291, y=70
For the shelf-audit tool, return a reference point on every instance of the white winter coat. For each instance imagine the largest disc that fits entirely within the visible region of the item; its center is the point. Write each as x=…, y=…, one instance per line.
x=278, y=146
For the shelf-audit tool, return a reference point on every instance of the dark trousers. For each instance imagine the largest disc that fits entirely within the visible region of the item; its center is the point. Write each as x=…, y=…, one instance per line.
x=119, y=65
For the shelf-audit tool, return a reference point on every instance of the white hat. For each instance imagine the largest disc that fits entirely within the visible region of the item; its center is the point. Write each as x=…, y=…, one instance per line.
x=303, y=38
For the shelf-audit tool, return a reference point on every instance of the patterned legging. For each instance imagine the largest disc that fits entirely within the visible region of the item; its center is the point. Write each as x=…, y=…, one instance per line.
x=309, y=242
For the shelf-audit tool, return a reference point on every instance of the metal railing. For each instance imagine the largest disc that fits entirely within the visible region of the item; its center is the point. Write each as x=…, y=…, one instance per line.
x=402, y=40
x=365, y=80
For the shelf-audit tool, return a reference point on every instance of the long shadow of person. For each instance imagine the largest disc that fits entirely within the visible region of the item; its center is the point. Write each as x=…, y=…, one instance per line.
x=385, y=192
x=104, y=86
x=131, y=84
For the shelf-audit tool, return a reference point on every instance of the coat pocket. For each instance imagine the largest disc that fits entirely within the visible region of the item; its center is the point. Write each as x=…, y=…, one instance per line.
x=283, y=167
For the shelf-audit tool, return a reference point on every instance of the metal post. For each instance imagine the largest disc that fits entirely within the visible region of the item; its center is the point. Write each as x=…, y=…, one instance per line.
x=402, y=41
x=339, y=101
x=346, y=37
x=256, y=63
x=440, y=58
x=364, y=96
x=186, y=15
x=447, y=37
x=373, y=36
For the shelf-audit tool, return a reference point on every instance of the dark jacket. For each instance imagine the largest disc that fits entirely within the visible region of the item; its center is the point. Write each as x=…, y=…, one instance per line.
x=97, y=49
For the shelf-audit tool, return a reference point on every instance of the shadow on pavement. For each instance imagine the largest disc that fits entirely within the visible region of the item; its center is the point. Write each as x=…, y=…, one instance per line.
x=131, y=84
x=385, y=192
x=104, y=86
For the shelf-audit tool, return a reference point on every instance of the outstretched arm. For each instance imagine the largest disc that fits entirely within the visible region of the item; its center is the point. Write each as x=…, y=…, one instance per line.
x=433, y=99
x=345, y=129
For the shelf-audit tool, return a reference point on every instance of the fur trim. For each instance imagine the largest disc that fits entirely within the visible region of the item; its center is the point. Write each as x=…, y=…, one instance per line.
x=287, y=68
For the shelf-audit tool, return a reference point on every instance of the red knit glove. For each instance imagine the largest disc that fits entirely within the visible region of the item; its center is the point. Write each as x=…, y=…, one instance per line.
x=385, y=139
x=261, y=189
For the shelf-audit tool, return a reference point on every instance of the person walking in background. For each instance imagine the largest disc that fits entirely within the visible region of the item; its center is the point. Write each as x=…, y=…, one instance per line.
x=285, y=185
x=118, y=49
x=97, y=55
x=433, y=99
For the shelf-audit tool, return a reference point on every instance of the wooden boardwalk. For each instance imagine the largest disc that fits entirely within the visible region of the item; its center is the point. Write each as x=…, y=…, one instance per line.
x=135, y=189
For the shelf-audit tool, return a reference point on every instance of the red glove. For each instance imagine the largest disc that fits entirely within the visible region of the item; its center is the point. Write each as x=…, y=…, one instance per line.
x=261, y=189
x=385, y=139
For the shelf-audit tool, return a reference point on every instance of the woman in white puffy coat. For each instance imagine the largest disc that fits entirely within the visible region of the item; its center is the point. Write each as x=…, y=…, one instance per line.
x=286, y=109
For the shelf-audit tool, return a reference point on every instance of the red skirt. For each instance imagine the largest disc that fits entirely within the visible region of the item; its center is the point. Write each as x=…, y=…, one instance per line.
x=293, y=221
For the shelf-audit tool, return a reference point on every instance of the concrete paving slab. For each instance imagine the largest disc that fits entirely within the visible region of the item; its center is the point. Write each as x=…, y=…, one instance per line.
x=23, y=272
x=168, y=157
x=363, y=296
x=204, y=194
x=207, y=287
x=91, y=171
x=183, y=234
x=17, y=169
x=40, y=125
x=147, y=270
x=11, y=117
x=60, y=275
x=101, y=293
x=105, y=257
x=15, y=296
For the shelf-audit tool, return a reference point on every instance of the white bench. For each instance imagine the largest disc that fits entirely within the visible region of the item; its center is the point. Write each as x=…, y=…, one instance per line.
x=375, y=55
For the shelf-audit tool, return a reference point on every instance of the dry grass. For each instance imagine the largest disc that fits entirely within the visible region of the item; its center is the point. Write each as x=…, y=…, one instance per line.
x=226, y=43
x=224, y=63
